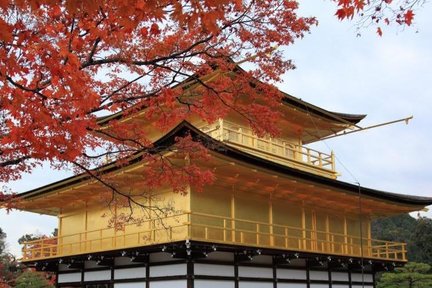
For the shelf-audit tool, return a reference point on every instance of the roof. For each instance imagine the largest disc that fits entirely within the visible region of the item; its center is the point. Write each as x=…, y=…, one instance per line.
x=221, y=148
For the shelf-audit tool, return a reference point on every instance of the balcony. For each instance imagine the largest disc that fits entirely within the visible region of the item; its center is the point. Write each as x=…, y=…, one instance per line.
x=277, y=150
x=214, y=229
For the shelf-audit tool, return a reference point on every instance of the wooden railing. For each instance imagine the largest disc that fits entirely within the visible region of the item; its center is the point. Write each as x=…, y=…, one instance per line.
x=216, y=229
x=274, y=149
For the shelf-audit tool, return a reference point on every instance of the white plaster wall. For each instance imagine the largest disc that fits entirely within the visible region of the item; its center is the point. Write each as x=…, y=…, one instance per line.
x=171, y=270
x=357, y=277
x=213, y=270
x=213, y=284
x=97, y=275
x=130, y=285
x=260, y=272
x=247, y=284
x=69, y=277
x=130, y=273
x=168, y=284
x=291, y=285
x=340, y=286
x=340, y=276
x=291, y=274
x=319, y=285
x=318, y=275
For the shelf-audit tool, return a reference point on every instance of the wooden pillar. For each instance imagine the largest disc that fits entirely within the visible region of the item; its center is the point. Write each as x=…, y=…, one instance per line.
x=314, y=238
x=329, y=275
x=369, y=238
x=233, y=236
x=327, y=230
x=308, y=282
x=345, y=250
x=271, y=221
x=303, y=222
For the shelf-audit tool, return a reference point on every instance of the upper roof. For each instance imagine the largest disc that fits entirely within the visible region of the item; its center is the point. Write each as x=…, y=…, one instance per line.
x=223, y=149
x=333, y=123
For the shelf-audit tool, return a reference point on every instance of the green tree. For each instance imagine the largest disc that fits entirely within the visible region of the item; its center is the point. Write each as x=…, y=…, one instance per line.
x=412, y=275
x=417, y=233
x=422, y=241
x=31, y=279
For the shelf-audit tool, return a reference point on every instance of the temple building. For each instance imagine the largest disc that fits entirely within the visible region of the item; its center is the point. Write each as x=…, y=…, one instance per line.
x=275, y=217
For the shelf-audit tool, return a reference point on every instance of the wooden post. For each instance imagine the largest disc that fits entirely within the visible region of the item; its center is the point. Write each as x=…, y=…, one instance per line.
x=233, y=232
x=271, y=232
x=369, y=240
x=327, y=227
x=345, y=250
x=303, y=221
x=224, y=230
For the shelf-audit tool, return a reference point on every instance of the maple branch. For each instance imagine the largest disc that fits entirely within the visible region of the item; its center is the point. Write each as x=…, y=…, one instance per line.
x=177, y=55
x=14, y=161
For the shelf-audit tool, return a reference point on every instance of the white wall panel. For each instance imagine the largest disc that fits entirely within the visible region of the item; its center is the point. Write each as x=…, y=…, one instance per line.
x=168, y=284
x=319, y=286
x=213, y=284
x=357, y=277
x=97, y=275
x=318, y=275
x=129, y=273
x=69, y=277
x=260, y=272
x=291, y=285
x=360, y=286
x=340, y=286
x=213, y=270
x=291, y=274
x=250, y=284
x=340, y=276
x=167, y=270
x=130, y=285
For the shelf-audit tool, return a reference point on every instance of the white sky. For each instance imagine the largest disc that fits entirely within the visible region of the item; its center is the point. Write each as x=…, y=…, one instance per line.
x=387, y=78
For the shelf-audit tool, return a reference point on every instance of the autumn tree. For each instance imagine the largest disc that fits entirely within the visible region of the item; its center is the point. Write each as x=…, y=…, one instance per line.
x=9, y=267
x=32, y=279
x=63, y=64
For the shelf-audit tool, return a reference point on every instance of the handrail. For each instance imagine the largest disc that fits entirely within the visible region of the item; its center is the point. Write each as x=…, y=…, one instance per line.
x=285, y=151
x=291, y=227
x=193, y=226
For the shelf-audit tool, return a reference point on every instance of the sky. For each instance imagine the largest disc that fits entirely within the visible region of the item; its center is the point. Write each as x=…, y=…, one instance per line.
x=386, y=78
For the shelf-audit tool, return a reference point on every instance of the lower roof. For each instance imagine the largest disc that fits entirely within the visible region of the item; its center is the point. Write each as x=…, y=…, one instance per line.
x=218, y=147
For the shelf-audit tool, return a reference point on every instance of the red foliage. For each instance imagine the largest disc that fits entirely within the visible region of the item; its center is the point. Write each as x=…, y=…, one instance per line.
x=377, y=11
x=64, y=63
x=61, y=65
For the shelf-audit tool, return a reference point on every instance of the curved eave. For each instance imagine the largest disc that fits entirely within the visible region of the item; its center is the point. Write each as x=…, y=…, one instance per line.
x=343, y=118
x=218, y=147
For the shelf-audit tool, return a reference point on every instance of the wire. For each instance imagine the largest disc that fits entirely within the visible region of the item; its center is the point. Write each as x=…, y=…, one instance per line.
x=357, y=182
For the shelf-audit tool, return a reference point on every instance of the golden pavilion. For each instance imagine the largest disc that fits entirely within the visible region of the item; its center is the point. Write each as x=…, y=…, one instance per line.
x=275, y=217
